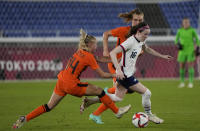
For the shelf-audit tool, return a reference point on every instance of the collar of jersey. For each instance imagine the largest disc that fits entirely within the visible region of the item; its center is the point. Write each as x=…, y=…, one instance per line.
x=137, y=40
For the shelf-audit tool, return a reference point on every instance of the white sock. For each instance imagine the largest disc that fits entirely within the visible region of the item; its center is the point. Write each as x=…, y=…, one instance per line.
x=146, y=102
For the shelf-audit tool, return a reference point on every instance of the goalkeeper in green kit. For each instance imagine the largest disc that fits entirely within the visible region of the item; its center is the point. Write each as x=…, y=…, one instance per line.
x=185, y=39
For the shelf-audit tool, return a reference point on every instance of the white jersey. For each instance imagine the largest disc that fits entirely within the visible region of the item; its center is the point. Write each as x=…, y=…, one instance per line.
x=131, y=50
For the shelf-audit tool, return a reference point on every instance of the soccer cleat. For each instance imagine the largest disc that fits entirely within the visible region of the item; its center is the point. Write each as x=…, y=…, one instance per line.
x=83, y=105
x=122, y=111
x=86, y=102
x=96, y=119
x=19, y=123
x=190, y=85
x=181, y=85
x=155, y=119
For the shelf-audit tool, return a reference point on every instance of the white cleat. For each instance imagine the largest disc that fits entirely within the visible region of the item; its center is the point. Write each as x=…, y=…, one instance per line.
x=155, y=119
x=122, y=111
x=190, y=85
x=181, y=85
x=20, y=122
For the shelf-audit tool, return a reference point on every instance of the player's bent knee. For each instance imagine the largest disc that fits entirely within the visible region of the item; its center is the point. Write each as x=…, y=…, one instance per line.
x=100, y=91
x=102, y=94
x=94, y=90
x=147, y=93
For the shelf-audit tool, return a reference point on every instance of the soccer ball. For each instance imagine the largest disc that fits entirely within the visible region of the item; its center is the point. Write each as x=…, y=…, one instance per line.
x=140, y=120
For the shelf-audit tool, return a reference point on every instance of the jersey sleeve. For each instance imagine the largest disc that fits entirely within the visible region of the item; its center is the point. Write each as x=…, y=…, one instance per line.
x=196, y=37
x=126, y=45
x=92, y=62
x=117, y=31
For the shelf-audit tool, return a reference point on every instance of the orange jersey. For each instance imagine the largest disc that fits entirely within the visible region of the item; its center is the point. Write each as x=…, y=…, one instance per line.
x=77, y=64
x=120, y=33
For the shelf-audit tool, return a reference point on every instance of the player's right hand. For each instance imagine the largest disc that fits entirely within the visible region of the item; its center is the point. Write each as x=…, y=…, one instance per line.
x=119, y=74
x=180, y=47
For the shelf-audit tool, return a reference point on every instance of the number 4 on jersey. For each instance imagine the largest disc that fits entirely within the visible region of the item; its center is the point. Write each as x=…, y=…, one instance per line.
x=73, y=64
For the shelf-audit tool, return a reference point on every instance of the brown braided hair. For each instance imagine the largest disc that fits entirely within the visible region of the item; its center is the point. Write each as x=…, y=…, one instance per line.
x=129, y=15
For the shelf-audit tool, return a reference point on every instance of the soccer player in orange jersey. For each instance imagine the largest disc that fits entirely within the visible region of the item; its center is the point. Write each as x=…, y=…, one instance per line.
x=69, y=83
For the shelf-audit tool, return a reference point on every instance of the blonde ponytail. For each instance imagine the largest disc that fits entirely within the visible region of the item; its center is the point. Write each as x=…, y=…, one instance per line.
x=84, y=40
x=82, y=44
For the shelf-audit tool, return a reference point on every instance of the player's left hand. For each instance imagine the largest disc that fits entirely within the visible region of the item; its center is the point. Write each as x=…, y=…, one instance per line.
x=168, y=57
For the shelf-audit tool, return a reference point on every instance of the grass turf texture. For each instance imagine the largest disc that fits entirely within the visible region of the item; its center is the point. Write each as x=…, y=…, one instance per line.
x=178, y=107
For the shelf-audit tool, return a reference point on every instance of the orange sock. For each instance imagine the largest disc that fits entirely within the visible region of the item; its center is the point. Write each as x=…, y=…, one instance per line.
x=103, y=107
x=109, y=103
x=38, y=111
x=100, y=109
x=112, y=90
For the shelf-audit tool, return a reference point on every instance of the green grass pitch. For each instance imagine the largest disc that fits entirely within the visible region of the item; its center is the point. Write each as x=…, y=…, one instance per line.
x=180, y=108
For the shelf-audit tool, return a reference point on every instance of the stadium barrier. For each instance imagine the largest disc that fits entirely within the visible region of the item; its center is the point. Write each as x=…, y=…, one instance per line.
x=43, y=58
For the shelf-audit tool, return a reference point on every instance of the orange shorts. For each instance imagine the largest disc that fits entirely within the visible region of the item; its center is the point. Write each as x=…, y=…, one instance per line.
x=70, y=87
x=111, y=69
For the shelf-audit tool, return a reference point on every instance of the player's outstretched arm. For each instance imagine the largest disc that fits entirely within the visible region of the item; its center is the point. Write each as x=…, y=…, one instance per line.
x=155, y=53
x=104, y=59
x=104, y=74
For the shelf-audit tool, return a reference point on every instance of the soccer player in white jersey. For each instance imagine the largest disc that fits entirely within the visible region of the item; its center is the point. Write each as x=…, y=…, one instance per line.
x=125, y=70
